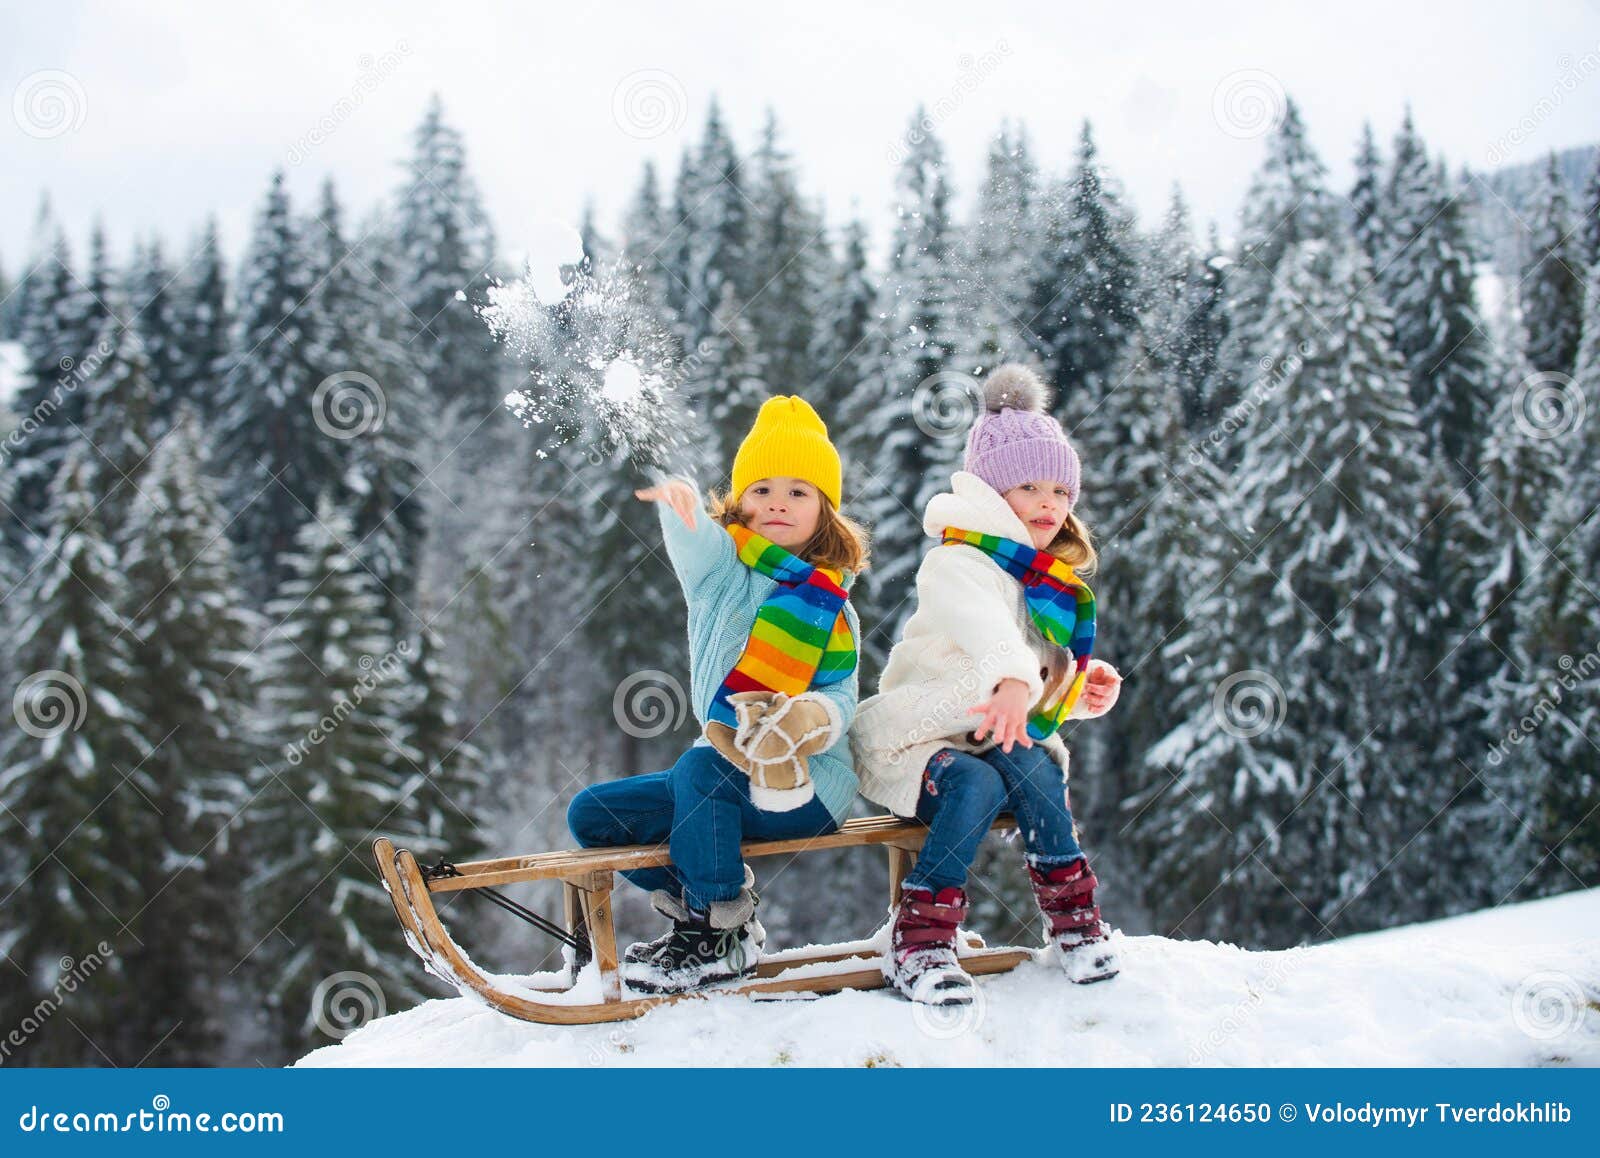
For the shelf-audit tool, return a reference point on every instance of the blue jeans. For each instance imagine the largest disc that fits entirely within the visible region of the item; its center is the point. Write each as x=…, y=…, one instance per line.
x=962, y=793
x=701, y=807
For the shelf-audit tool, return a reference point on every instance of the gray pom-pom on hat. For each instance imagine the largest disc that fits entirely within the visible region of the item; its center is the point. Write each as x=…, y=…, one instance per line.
x=1015, y=441
x=1014, y=386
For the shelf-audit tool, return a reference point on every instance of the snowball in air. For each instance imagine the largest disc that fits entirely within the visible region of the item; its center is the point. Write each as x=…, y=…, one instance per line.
x=552, y=244
x=623, y=383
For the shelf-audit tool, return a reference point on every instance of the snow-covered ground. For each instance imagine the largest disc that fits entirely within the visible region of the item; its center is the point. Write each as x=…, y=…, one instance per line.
x=1513, y=986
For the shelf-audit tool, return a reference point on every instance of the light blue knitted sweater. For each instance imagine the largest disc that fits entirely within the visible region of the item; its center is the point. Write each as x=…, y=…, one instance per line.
x=723, y=596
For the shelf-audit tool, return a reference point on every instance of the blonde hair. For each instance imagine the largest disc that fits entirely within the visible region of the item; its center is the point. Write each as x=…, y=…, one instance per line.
x=1074, y=546
x=838, y=544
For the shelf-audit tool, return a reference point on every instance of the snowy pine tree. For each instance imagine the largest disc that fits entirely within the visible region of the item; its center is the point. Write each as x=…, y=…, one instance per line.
x=645, y=237
x=1563, y=638
x=446, y=248
x=57, y=343
x=1521, y=479
x=450, y=804
x=785, y=251
x=729, y=377
x=847, y=311
x=715, y=229
x=119, y=419
x=195, y=697
x=1000, y=249
x=1552, y=281
x=1589, y=230
x=340, y=772
x=1152, y=504
x=1207, y=326
x=1288, y=202
x=155, y=311
x=10, y=305
x=1085, y=299
x=281, y=460
x=79, y=803
x=1297, y=776
x=1184, y=310
x=916, y=422
x=204, y=322
x=1426, y=277
x=1367, y=217
x=374, y=406
x=103, y=296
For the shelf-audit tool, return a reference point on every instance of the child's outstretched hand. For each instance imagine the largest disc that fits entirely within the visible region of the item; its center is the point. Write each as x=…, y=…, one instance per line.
x=1101, y=687
x=1005, y=715
x=677, y=494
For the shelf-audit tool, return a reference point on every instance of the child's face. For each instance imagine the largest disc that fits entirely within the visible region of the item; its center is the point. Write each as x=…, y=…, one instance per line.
x=1043, y=506
x=785, y=510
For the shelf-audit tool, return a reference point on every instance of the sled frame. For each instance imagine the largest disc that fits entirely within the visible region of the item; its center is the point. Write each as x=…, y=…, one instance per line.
x=587, y=878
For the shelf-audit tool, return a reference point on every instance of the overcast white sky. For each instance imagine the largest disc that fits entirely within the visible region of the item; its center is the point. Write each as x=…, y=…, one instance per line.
x=174, y=110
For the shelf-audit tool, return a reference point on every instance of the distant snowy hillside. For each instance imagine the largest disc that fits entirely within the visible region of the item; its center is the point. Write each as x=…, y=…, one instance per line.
x=1514, y=986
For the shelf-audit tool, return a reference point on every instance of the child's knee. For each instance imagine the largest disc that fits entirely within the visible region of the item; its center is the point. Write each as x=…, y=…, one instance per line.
x=977, y=784
x=587, y=818
x=1031, y=769
x=702, y=771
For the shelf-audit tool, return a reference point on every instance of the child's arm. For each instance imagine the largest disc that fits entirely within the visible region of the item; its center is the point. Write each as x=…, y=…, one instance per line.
x=696, y=543
x=1102, y=685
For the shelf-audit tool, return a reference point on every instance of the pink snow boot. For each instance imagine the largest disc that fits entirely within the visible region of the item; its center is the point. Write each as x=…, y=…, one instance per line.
x=922, y=962
x=1066, y=897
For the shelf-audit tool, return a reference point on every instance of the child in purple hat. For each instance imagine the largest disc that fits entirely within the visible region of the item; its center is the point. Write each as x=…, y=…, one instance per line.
x=1003, y=631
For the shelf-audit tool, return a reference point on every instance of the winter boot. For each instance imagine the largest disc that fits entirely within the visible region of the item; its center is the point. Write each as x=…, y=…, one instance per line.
x=666, y=904
x=1066, y=897
x=722, y=944
x=922, y=962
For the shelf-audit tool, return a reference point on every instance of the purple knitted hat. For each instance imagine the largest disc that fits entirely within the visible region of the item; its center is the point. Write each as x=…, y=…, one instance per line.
x=1014, y=441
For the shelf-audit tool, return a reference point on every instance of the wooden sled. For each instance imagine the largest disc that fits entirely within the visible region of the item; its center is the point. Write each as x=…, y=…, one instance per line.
x=587, y=876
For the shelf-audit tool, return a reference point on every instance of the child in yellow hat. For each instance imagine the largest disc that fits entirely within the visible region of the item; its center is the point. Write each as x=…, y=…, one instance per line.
x=773, y=674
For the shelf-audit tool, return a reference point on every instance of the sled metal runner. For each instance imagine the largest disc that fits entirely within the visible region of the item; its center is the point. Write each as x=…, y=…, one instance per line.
x=587, y=877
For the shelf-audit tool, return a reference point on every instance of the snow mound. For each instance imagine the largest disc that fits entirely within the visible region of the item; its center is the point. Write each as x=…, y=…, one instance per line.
x=1513, y=986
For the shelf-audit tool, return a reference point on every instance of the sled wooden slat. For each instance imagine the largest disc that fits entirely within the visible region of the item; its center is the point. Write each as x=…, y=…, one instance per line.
x=900, y=862
x=587, y=878
x=602, y=931
x=404, y=881
x=867, y=830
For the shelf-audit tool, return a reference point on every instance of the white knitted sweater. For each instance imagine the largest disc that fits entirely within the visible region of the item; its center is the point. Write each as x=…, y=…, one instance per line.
x=971, y=629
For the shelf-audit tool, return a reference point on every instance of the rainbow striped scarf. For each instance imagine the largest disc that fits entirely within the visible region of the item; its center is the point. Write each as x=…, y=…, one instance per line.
x=1059, y=603
x=800, y=639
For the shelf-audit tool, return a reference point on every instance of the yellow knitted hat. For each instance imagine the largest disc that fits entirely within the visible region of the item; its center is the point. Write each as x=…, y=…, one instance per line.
x=788, y=440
